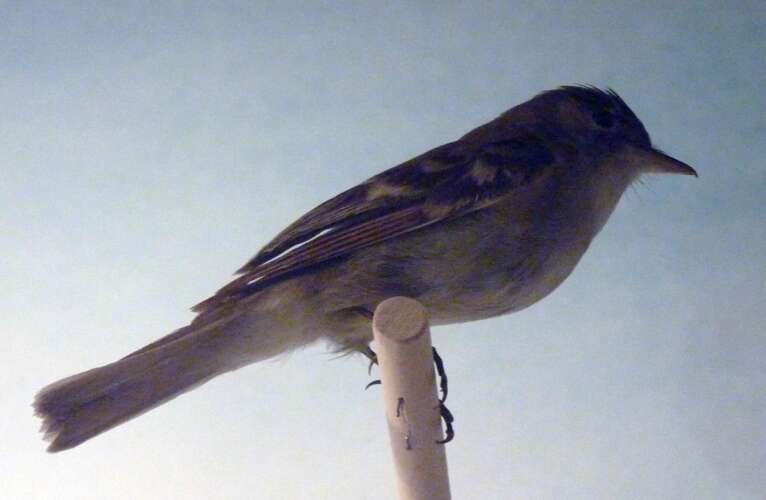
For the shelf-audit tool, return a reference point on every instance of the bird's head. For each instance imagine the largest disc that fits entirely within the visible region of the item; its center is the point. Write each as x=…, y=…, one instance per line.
x=601, y=120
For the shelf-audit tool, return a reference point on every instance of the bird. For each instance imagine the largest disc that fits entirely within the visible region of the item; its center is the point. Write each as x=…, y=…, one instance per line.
x=483, y=226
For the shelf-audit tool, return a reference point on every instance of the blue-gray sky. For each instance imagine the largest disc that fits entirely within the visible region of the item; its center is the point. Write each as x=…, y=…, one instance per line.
x=149, y=149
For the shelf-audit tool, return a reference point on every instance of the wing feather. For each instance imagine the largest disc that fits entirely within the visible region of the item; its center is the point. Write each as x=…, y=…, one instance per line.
x=446, y=182
x=397, y=187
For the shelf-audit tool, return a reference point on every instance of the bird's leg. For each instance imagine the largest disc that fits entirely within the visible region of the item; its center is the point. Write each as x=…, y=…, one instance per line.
x=367, y=351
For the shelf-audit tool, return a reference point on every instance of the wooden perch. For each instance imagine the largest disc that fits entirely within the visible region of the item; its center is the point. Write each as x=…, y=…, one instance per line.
x=403, y=346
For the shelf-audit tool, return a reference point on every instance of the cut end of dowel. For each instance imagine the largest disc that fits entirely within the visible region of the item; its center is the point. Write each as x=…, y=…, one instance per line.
x=401, y=319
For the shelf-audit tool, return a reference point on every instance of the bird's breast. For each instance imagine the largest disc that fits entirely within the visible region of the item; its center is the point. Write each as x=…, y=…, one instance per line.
x=508, y=262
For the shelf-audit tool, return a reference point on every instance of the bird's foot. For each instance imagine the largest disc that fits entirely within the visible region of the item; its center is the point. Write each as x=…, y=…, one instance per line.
x=439, y=364
x=444, y=412
x=370, y=354
x=449, y=431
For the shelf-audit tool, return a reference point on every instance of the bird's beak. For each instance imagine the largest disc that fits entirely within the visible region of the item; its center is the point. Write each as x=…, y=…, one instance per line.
x=654, y=161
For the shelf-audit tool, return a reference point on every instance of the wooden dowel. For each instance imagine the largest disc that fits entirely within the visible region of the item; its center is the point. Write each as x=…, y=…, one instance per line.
x=403, y=346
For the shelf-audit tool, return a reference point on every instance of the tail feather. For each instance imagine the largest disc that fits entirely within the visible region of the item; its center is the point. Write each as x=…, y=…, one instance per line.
x=82, y=406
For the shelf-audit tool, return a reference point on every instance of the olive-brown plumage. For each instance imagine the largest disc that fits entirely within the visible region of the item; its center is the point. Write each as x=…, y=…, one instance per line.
x=485, y=225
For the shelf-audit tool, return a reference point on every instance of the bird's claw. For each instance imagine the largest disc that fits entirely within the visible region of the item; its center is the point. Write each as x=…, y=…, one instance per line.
x=374, y=382
x=439, y=364
x=444, y=412
x=449, y=431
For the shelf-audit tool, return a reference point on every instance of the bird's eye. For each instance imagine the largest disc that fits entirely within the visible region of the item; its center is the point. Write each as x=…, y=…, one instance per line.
x=603, y=118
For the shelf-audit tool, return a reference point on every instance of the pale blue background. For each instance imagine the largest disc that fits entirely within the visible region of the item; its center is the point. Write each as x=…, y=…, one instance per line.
x=148, y=151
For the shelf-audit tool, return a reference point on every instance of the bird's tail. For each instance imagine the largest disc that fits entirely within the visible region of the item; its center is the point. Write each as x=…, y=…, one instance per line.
x=82, y=406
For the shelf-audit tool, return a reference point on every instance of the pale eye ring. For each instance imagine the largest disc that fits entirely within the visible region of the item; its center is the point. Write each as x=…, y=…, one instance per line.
x=603, y=118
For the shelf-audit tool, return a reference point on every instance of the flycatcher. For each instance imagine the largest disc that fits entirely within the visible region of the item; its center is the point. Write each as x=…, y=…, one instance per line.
x=485, y=225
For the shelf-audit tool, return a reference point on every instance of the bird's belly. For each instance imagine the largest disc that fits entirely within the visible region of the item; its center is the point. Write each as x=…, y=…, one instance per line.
x=506, y=286
x=485, y=264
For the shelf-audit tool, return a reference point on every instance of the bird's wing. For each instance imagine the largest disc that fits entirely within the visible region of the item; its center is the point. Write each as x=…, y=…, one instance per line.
x=446, y=182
